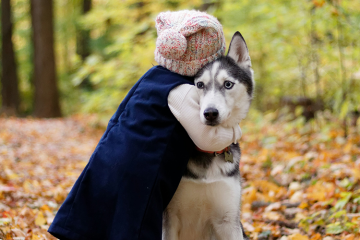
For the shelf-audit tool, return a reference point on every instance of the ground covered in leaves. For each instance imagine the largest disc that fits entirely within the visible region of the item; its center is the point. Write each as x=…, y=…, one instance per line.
x=301, y=181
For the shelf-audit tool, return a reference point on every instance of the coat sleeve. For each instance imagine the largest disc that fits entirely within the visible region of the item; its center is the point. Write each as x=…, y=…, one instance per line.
x=183, y=102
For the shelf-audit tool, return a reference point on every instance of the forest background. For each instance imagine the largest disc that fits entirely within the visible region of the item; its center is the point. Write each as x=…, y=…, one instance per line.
x=300, y=49
x=78, y=58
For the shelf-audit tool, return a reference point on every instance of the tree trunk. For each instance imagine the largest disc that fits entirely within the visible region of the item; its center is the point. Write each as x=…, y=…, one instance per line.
x=9, y=79
x=83, y=44
x=314, y=53
x=46, y=91
x=83, y=36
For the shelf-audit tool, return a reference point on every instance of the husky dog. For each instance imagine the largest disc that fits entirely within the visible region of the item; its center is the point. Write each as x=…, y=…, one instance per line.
x=206, y=205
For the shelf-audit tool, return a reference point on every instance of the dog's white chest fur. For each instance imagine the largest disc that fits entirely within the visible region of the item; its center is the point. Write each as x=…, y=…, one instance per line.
x=204, y=209
x=206, y=205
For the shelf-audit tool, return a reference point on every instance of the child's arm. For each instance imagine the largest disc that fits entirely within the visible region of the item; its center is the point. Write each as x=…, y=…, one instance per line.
x=183, y=102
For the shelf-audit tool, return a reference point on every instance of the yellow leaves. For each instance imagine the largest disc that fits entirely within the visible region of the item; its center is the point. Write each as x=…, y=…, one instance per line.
x=256, y=227
x=45, y=208
x=303, y=205
x=81, y=165
x=321, y=191
x=249, y=195
x=356, y=174
x=262, y=191
x=40, y=219
x=347, y=147
x=8, y=235
x=59, y=195
x=317, y=196
x=272, y=216
x=71, y=174
x=297, y=236
x=31, y=186
x=10, y=174
x=34, y=158
x=299, y=216
x=315, y=178
x=299, y=169
x=27, y=186
x=35, y=237
x=269, y=189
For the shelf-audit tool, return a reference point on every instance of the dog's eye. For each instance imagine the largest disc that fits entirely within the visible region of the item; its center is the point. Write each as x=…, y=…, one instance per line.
x=200, y=85
x=228, y=84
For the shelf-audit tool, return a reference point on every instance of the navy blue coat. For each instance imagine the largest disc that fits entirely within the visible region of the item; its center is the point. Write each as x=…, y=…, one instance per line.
x=134, y=170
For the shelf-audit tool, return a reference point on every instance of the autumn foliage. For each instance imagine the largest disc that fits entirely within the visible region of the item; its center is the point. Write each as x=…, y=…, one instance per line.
x=301, y=181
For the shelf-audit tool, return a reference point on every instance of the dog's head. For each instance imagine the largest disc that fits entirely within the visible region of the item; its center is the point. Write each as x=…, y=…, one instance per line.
x=226, y=86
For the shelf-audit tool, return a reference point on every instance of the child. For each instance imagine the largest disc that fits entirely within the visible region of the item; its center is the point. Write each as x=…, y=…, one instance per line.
x=138, y=163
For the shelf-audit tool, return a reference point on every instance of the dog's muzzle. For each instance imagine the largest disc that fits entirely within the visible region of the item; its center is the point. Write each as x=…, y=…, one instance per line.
x=211, y=115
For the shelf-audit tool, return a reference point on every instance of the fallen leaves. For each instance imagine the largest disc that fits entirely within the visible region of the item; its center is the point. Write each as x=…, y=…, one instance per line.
x=297, y=236
x=39, y=162
x=40, y=219
x=301, y=182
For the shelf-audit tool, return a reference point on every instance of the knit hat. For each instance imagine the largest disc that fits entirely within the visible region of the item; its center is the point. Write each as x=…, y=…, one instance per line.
x=188, y=40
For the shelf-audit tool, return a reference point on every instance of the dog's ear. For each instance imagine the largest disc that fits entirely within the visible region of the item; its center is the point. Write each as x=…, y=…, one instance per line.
x=239, y=51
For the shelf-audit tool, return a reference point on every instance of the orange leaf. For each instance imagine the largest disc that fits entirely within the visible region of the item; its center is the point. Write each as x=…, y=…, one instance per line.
x=45, y=208
x=303, y=205
x=316, y=237
x=318, y=3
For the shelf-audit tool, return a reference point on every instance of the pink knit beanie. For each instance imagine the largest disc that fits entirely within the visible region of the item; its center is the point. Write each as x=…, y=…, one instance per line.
x=188, y=40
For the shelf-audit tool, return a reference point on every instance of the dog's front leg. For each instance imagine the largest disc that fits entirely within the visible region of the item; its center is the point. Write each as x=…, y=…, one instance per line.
x=229, y=229
x=171, y=225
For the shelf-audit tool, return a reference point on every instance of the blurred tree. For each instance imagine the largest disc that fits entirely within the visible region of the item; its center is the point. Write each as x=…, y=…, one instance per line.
x=83, y=35
x=83, y=43
x=315, y=40
x=46, y=91
x=9, y=78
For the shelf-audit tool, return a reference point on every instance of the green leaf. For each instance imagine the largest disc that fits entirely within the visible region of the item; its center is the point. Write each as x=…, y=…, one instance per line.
x=338, y=214
x=319, y=222
x=356, y=200
x=343, y=201
x=334, y=228
x=349, y=226
x=345, y=183
x=265, y=234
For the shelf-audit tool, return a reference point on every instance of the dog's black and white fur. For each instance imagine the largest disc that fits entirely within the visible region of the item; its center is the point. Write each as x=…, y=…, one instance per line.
x=206, y=205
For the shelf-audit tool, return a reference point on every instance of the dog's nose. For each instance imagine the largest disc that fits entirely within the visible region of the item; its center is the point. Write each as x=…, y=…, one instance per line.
x=211, y=114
